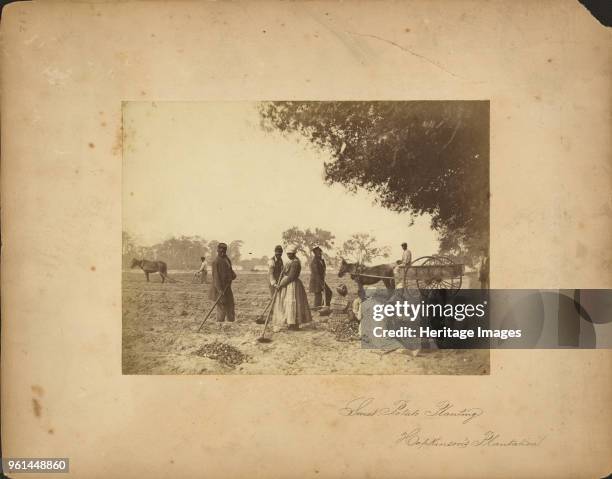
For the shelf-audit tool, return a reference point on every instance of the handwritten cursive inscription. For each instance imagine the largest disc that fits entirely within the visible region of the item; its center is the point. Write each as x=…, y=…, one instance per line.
x=416, y=438
x=366, y=406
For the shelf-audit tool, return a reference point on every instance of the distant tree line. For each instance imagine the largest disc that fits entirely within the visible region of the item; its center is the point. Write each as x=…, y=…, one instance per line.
x=184, y=252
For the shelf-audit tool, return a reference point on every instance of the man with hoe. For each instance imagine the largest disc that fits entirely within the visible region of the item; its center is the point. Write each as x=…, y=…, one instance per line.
x=221, y=289
x=275, y=268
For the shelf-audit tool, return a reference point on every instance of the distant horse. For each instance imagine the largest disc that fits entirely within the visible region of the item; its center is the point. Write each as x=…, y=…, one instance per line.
x=368, y=274
x=152, y=267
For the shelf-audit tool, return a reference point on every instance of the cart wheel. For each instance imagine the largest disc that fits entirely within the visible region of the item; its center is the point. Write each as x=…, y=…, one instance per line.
x=411, y=290
x=449, y=280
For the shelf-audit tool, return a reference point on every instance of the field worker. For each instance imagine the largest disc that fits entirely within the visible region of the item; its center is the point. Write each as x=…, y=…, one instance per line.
x=317, y=278
x=275, y=268
x=341, y=308
x=203, y=272
x=401, y=270
x=338, y=308
x=483, y=276
x=340, y=304
x=406, y=256
x=290, y=306
x=222, y=277
x=357, y=313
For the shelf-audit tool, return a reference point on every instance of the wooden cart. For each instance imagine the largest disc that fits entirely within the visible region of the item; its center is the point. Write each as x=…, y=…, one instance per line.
x=429, y=273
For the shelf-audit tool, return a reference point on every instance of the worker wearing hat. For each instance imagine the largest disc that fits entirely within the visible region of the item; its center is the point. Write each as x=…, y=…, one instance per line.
x=317, y=278
x=401, y=270
x=221, y=289
x=275, y=267
x=406, y=255
x=203, y=272
x=483, y=276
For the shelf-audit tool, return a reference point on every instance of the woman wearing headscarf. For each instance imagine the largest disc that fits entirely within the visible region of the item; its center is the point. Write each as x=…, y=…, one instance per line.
x=290, y=305
x=343, y=312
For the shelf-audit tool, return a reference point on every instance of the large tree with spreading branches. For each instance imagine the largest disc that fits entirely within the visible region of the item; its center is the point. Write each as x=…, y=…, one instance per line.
x=418, y=157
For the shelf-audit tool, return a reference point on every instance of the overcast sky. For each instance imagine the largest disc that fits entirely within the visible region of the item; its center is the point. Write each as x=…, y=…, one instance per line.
x=208, y=169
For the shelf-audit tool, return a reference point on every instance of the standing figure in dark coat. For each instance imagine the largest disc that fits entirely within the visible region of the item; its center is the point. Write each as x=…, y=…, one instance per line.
x=317, y=279
x=222, y=277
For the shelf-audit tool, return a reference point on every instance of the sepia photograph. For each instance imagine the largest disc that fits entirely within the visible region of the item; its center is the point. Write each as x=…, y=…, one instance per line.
x=254, y=233
x=306, y=239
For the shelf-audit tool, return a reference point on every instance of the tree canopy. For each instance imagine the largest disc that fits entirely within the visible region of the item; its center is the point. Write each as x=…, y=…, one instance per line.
x=418, y=157
x=362, y=248
x=305, y=240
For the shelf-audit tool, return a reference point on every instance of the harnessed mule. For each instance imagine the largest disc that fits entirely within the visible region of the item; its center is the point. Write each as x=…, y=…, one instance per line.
x=366, y=275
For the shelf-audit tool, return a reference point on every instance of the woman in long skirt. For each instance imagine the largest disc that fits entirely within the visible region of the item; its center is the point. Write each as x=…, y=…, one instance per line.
x=290, y=307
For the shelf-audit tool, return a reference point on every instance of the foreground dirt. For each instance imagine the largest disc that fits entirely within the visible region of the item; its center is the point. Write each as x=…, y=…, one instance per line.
x=160, y=323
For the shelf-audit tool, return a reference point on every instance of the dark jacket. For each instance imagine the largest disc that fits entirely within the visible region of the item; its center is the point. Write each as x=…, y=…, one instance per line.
x=222, y=276
x=317, y=275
